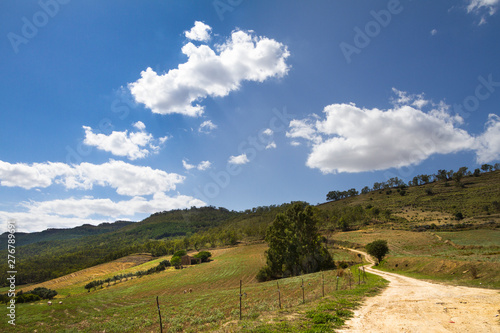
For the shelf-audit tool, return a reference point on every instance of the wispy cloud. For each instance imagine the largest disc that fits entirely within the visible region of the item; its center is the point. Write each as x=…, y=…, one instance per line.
x=483, y=8
x=207, y=127
x=203, y=165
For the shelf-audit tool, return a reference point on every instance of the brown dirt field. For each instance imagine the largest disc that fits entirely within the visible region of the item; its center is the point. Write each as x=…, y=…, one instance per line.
x=92, y=273
x=411, y=305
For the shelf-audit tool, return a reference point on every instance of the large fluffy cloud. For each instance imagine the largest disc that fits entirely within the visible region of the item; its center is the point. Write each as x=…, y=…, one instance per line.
x=125, y=178
x=133, y=145
x=210, y=72
x=31, y=176
x=354, y=139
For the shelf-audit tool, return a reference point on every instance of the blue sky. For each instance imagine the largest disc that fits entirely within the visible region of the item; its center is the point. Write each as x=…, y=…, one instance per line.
x=119, y=109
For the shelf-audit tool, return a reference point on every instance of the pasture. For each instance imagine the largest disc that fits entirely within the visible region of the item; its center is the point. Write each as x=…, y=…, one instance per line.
x=470, y=257
x=213, y=304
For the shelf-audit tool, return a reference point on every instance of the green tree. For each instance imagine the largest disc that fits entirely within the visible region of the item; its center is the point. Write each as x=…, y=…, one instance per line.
x=343, y=224
x=377, y=249
x=295, y=246
x=175, y=261
x=365, y=190
x=486, y=167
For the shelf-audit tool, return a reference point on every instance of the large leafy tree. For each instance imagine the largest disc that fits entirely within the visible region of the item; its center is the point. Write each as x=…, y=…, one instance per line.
x=295, y=245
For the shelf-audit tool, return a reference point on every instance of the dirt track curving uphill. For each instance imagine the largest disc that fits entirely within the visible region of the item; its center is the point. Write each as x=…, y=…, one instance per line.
x=412, y=305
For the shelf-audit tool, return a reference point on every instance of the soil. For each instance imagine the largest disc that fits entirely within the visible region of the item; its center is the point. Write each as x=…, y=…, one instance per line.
x=412, y=305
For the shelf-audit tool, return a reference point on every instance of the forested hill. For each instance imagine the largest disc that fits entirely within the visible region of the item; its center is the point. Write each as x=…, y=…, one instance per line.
x=51, y=254
x=23, y=238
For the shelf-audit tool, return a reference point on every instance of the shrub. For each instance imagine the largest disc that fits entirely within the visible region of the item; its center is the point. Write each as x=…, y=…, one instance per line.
x=165, y=263
x=27, y=298
x=180, y=253
x=265, y=274
x=44, y=293
x=343, y=265
x=176, y=261
x=459, y=216
x=203, y=255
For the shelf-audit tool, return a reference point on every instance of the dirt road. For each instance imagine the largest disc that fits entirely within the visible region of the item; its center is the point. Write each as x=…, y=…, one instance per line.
x=411, y=305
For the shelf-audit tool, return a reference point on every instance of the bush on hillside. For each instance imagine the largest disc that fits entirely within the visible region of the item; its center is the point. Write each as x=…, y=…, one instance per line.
x=203, y=255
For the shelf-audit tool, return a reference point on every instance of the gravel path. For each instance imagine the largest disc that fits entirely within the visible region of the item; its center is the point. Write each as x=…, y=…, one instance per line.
x=412, y=305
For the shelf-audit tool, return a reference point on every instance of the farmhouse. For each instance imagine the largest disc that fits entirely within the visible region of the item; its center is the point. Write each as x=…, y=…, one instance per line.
x=188, y=260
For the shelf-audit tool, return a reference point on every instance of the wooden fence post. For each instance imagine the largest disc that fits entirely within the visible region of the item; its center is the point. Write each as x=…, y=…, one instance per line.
x=279, y=294
x=303, y=296
x=241, y=296
x=323, y=278
x=159, y=314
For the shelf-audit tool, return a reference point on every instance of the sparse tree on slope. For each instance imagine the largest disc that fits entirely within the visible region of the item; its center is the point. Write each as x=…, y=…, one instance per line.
x=377, y=249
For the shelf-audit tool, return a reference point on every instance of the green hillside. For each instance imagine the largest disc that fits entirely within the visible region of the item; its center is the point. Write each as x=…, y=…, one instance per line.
x=476, y=198
x=439, y=205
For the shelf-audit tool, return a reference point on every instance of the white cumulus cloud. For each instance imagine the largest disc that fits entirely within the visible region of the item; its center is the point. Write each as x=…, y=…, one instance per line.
x=200, y=32
x=353, y=139
x=125, y=178
x=133, y=145
x=213, y=72
x=240, y=159
x=488, y=143
x=31, y=176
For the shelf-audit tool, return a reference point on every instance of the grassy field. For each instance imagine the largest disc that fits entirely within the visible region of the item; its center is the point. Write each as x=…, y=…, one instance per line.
x=470, y=258
x=213, y=304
